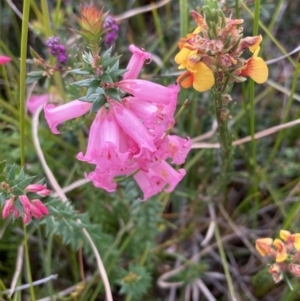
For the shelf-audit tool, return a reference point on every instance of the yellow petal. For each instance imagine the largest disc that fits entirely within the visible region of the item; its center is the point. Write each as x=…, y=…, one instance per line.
x=281, y=254
x=253, y=47
x=197, y=30
x=257, y=69
x=297, y=241
x=284, y=235
x=263, y=246
x=182, y=56
x=203, y=78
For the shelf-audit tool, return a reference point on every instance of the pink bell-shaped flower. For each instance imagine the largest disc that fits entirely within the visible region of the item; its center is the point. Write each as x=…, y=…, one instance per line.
x=136, y=62
x=70, y=110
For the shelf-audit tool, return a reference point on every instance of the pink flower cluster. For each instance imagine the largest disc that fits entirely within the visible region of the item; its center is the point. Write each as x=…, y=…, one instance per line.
x=31, y=208
x=128, y=137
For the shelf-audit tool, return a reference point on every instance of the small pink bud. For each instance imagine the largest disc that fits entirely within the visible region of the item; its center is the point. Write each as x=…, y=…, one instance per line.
x=27, y=218
x=294, y=269
x=26, y=203
x=40, y=206
x=8, y=207
x=35, y=211
x=4, y=59
x=35, y=187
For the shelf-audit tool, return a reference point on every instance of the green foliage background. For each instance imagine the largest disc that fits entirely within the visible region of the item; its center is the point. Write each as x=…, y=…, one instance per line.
x=141, y=241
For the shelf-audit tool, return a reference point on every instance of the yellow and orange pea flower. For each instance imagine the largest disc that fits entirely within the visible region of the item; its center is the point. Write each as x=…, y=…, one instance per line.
x=290, y=238
x=201, y=77
x=197, y=75
x=255, y=68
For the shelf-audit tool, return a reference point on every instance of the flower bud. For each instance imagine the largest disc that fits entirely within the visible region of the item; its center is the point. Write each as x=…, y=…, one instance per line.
x=276, y=270
x=294, y=269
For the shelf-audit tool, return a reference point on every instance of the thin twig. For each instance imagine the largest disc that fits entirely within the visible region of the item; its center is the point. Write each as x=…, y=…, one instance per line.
x=34, y=283
x=258, y=135
x=140, y=10
x=205, y=290
x=61, y=194
x=18, y=270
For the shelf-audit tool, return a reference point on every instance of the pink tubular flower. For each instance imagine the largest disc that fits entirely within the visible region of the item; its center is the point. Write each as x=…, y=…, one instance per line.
x=56, y=115
x=107, y=146
x=157, y=118
x=156, y=179
x=133, y=127
x=35, y=101
x=4, y=59
x=136, y=62
x=148, y=91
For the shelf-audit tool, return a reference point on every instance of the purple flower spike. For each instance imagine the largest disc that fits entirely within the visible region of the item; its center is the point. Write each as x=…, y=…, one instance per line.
x=112, y=28
x=57, y=50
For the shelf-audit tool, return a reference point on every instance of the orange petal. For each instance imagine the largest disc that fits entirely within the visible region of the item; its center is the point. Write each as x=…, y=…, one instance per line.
x=187, y=82
x=203, y=78
x=263, y=246
x=257, y=69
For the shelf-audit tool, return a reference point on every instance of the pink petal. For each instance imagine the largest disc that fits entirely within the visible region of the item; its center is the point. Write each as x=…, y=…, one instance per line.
x=136, y=62
x=157, y=118
x=35, y=101
x=26, y=218
x=70, y=110
x=4, y=59
x=132, y=126
x=157, y=178
x=174, y=147
x=104, y=181
x=148, y=91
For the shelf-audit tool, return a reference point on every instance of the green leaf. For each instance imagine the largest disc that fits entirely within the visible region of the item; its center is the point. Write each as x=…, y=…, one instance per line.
x=17, y=191
x=115, y=67
x=84, y=82
x=23, y=184
x=117, y=73
x=110, y=61
x=106, y=55
x=34, y=76
x=106, y=78
x=21, y=175
x=11, y=173
x=92, y=87
x=98, y=103
x=2, y=166
x=113, y=93
x=3, y=197
x=80, y=71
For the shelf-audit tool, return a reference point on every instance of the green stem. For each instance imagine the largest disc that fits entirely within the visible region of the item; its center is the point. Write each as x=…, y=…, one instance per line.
x=183, y=10
x=24, y=37
x=28, y=263
x=225, y=263
x=49, y=33
x=224, y=139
